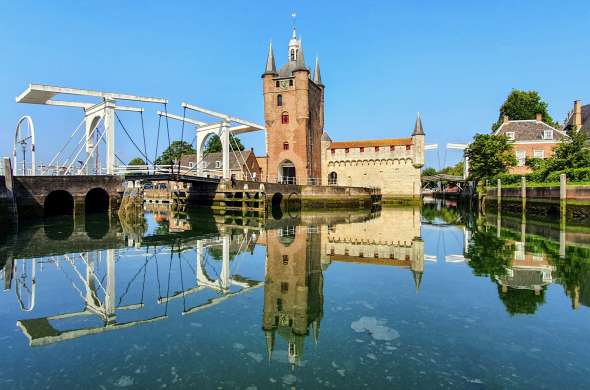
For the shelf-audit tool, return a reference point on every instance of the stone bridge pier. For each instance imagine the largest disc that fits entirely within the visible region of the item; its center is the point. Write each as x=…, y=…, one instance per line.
x=39, y=196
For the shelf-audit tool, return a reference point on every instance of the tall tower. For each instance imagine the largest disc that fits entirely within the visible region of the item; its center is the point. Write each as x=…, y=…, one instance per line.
x=294, y=117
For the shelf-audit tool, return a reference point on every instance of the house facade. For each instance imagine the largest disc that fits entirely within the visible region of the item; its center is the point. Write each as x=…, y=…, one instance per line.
x=530, y=139
x=578, y=118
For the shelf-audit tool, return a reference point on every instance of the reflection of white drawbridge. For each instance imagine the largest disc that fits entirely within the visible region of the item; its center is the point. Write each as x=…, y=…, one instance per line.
x=224, y=281
x=97, y=289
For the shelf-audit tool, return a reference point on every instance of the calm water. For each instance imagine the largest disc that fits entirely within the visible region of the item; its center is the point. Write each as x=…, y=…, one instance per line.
x=404, y=297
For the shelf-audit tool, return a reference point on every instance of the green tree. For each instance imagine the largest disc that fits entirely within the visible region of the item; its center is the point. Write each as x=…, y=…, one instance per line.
x=490, y=255
x=137, y=161
x=174, y=152
x=428, y=171
x=571, y=153
x=214, y=144
x=489, y=155
x=455, y=170
x=520, y=105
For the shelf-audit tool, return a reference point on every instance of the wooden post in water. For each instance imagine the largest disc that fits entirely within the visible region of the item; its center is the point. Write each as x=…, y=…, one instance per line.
x=499, y=193
x=563, y=212
x=523, y=193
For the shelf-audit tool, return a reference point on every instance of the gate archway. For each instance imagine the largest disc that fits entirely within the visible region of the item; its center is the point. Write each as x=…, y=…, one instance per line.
x=58, y=202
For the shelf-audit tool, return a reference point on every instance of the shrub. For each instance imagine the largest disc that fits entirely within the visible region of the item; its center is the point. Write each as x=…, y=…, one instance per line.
x=572, y=174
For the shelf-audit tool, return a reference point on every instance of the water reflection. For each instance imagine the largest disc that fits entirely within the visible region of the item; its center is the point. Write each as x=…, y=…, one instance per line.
x=161, y=266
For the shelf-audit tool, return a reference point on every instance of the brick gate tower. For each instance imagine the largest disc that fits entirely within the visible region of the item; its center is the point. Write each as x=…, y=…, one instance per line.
x=294, y=118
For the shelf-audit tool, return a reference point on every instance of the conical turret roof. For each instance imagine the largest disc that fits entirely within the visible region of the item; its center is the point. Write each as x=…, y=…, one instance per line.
x=270, y=68
x=317, y=77
x=418, y=130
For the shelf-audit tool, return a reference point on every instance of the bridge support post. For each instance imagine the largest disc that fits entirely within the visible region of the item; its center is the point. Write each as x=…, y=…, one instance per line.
x=225, y=275
x=109, y=126
x=226, y=149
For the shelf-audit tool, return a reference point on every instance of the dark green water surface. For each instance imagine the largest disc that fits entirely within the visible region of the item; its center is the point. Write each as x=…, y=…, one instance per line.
x=426, y=297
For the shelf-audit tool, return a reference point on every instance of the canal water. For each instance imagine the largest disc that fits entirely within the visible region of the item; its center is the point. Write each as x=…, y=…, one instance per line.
x=423, y=297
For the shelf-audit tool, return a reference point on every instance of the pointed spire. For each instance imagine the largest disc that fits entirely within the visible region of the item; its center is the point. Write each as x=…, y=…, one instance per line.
x=317, y=77
x=418, y=130
x=316, y=330
x=270, y=342
x=417, y=279
x=271, y=68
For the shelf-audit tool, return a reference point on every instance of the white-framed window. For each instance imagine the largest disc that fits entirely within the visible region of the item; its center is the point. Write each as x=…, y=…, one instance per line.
x=547, y=134
x=191, y=164
x=538, y=153
x=217, y=164
x=521, y=157
x=510, y=135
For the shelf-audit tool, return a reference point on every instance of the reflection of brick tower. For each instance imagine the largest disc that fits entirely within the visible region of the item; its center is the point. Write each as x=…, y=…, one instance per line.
x=293, y=289
x=294, y=117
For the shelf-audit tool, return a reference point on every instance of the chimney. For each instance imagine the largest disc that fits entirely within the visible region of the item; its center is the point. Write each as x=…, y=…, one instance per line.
x=539, y=117
x=505, y=119
x=577, y=115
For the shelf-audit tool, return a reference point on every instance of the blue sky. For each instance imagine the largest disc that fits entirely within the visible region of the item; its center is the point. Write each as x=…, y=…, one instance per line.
x=453, y=61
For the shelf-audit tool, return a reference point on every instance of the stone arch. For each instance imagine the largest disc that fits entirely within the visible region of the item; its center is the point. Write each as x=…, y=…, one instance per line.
x=287, y=173
x=96, y=201
x=58, y=202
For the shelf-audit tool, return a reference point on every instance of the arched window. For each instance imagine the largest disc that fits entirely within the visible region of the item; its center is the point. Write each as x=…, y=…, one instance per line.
x=332, y=178
x=277, y=83
x=291, y=83
x=285, y=117
x=292, y=54
x=285, y=146
x=279, y=100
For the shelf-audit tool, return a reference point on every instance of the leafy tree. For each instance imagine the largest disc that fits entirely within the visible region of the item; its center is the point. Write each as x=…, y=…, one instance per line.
x=214, y=144
x=489, y=155
x=429, y=171
x=521, y=105
x=174, y=152
x=455, y=170
x=571, y=153
x=137, y=161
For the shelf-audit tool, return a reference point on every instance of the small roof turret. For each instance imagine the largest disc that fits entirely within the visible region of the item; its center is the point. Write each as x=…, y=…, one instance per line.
x=317, y=77
x=270, y=68
x=300, y=61
x=325, y=137
x=418, y=130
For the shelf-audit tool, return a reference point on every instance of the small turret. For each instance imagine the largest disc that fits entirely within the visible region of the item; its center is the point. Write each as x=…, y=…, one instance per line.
x=418, y=141
x=317, y=77
x=270, y=68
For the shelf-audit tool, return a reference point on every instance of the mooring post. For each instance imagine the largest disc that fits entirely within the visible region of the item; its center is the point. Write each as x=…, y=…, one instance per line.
x=563, y=212
x=499, y=193
x=562, y=195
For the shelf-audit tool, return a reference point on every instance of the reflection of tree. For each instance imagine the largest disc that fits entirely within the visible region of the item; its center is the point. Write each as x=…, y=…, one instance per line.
x=489, y=254
x=521, y=301
x=163, y=228
x=573, y=273
x=430, y=213
x=216, y=252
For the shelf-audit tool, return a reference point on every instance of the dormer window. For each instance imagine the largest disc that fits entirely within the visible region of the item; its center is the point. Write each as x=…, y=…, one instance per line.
x=510, y=135
x=279, y=100
x=548, y=134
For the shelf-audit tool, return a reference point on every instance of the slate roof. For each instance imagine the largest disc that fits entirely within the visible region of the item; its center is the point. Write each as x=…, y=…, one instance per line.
x=235, y=161
x=529, y=130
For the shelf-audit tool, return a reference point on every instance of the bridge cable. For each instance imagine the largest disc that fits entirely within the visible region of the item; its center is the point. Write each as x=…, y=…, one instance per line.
x=181, y=137
x=157, y=138
x=143, y=133
x=130, y=138
x=168, y=287
x=182, y=282
x=167, y=125
x=63, y=148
